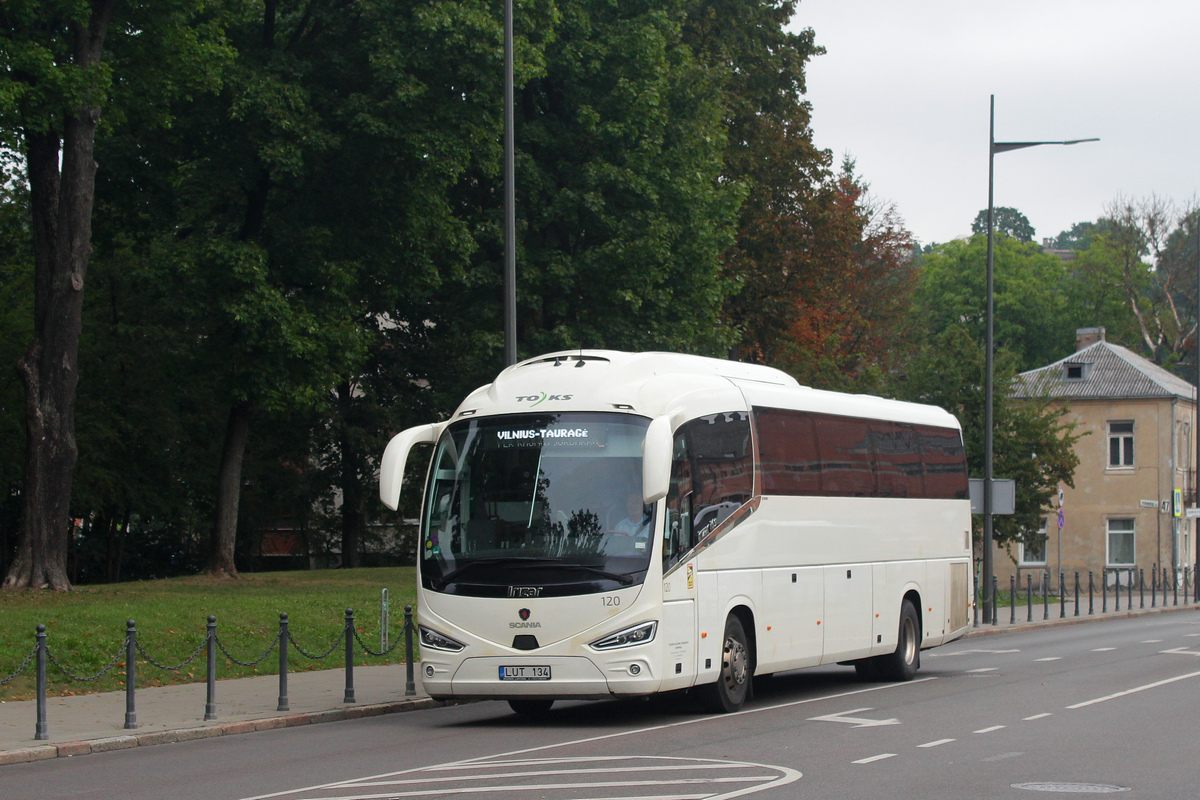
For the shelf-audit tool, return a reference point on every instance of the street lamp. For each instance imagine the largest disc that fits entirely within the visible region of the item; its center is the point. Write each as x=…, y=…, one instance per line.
x=993, y=148
x=510, y=202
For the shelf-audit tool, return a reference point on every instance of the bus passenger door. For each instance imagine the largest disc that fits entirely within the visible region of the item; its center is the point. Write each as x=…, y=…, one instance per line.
x=679, y=595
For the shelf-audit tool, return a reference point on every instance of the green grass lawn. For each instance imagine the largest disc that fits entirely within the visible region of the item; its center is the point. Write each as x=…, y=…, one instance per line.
x=85, y=628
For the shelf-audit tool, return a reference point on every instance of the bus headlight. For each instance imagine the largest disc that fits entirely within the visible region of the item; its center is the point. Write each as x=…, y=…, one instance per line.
x=439, y=641
x=638, y=634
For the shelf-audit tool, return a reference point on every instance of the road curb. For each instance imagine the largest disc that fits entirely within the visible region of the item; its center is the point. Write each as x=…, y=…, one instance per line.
x=992, y=630
x=129, y=741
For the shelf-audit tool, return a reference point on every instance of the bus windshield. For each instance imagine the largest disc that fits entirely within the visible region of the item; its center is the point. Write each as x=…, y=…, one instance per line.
x=537, y=505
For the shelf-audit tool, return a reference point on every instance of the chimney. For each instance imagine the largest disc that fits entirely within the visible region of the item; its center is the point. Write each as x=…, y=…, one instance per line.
x=1087, y=336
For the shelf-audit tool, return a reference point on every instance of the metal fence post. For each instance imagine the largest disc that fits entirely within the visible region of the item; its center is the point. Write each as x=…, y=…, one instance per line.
x=1045, y=595
x=283, y=662
x=1117, y=589
x=1174, y=585
x=1028, y=597
x=41, y=732
x=1091, y=593
x=1154, y=585
x=1077, y=593
x=1103, y=592
x=410, y=685
x=210, y=700
x=349, y=696
x=130, y=674
x=1012, y=599
x=995, y=594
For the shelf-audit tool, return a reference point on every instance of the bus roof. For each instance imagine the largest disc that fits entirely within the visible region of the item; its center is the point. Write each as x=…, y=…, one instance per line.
x=654, y=383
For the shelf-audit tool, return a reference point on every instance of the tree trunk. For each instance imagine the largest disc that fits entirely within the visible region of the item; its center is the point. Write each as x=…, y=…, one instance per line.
x=62, y=233
x=353, y=523
x=229, y=492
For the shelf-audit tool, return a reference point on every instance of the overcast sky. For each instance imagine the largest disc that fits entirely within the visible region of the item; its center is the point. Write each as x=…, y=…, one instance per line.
x=903, y=89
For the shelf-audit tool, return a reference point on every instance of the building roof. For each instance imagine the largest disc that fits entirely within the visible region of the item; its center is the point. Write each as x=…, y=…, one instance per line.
x=1102, y=371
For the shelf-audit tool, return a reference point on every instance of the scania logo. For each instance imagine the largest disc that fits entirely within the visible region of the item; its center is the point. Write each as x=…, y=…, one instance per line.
x=523, y=613
x=538, y=399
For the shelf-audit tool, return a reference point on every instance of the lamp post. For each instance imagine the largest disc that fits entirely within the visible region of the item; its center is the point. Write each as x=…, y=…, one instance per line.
x=510, y=202
x=993, y=148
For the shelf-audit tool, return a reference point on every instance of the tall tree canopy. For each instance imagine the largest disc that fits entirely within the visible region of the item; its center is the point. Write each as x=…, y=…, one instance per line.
x=1006, y=220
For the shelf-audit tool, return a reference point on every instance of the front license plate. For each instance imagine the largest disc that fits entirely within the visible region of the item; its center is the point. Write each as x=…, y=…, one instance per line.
x=525, y=673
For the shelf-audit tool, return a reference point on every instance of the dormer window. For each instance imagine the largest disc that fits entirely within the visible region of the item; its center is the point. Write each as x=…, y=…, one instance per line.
x=1074, y=371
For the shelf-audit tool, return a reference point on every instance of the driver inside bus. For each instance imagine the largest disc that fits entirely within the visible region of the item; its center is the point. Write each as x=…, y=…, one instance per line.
x=637, y=517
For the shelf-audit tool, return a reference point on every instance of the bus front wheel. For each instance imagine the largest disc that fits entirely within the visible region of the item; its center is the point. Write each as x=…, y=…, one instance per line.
x=733, y=682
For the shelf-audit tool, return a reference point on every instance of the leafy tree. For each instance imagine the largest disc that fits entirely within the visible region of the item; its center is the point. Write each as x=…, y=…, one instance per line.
x=1031, y=443
x=63, y=69
x=848, y=316
x=1007, y=220
x=1079, y=237
x=1031, y=317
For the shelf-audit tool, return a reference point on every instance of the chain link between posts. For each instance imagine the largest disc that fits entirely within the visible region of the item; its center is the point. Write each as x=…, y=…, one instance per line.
x=306, y=654
x=21, y=668
x=199, y=649
x=98, y=675
x=253, y=663
x=366, y=648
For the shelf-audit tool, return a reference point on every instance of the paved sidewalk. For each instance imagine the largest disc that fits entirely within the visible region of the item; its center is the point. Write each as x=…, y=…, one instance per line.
x=94, y=723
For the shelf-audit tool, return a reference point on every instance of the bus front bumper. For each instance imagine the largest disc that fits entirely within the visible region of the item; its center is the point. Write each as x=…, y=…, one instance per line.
x=529, y=676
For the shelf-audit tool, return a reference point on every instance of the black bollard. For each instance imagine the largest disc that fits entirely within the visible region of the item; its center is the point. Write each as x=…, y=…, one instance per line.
x=41, y=732
x=1062, y=596
x=349, y=697
x=283, y=662
x=410, y=684
x=210, y=700
x=130, y=674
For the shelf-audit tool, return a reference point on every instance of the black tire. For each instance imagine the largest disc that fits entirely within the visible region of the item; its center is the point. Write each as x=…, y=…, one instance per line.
x=736, y=674
x=903, y=664
x=531, y=709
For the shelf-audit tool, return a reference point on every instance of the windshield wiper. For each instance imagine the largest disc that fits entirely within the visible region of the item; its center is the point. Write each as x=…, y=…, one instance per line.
x=524, y=562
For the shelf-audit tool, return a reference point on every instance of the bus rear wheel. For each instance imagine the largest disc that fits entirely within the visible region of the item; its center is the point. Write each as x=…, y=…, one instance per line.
x=531, y=709
x=902, y=665
x=733, y=682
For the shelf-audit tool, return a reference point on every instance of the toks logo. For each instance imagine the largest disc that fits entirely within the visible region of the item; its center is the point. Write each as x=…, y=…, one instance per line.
x=538, y=399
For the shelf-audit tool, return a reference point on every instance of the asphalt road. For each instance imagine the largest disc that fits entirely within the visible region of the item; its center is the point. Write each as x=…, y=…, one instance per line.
x=1104, y=707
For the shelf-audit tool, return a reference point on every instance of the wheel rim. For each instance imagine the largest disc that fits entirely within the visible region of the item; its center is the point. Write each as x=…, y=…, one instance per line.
x=735, y=664
x=910, y=641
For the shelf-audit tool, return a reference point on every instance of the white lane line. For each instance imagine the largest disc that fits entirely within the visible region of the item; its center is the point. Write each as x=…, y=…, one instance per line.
x=989, y=730
x=872, y=759
x=1002, y=756
x=936, y=743
x=1051, y=658
x=1152, y=641
x=1036, y=716
x=1103, y=649
x=789, y=776
x=983, y=669
x=1135, y=690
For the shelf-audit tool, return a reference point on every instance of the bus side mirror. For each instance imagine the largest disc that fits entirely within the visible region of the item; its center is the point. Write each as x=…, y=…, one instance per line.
x=656, y=460
x=395, y=456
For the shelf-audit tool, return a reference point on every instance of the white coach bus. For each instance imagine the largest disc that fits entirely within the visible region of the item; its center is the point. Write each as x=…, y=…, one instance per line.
x=602, y=524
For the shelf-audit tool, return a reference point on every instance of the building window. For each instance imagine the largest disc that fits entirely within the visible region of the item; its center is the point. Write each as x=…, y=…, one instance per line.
x=1034, y=555
x=1120, y=542
x=1120, y=444
x=1074, y=371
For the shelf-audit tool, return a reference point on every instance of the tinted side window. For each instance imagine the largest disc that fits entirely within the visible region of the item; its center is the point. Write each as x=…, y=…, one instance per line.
x=808, y=454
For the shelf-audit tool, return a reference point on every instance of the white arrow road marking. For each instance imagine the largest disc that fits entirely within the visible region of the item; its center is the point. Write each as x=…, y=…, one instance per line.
x=1181, y=650
x=858, y=722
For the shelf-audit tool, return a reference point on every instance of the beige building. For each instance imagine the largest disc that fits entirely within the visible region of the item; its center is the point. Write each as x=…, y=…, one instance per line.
x=1135, y=475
